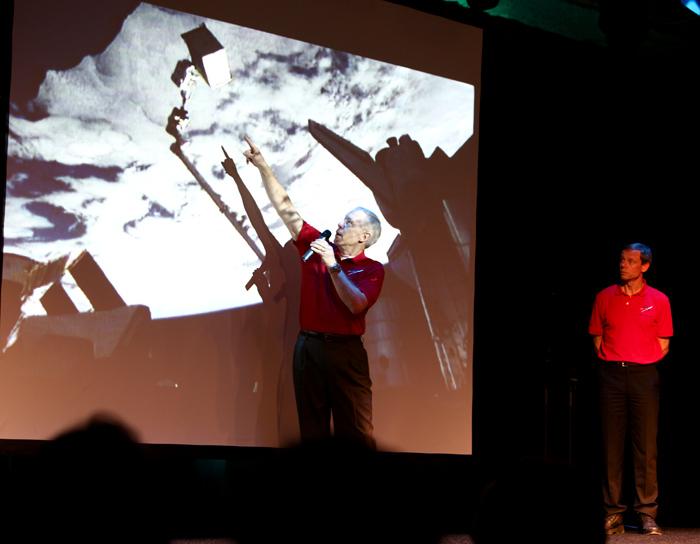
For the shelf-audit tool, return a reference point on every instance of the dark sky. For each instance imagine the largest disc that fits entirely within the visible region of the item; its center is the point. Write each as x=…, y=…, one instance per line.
x=57, y=35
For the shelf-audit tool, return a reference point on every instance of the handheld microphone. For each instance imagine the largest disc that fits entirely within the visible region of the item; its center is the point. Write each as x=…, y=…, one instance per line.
x=326, y=234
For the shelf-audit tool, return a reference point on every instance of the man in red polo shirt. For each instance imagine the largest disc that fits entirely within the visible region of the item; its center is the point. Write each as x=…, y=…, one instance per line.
x=338, y=286
x=631, y=328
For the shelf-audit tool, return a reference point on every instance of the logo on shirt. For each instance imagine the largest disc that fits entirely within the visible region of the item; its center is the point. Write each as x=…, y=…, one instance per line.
x=646, y=309
x=351, y=272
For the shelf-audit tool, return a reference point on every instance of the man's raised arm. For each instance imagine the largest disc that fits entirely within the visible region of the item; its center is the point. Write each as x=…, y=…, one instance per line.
x=275, y=191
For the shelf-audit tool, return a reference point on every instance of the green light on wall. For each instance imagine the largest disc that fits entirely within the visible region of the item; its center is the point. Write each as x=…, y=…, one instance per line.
x=494, y=7
x=476, y=4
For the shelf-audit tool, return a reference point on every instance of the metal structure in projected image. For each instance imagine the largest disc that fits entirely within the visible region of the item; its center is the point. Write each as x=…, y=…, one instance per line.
x=107, y=328
x=202, y=45
x=427, y=199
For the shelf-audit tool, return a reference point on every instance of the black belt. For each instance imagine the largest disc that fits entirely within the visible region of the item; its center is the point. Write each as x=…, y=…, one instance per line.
x=328, y=337
x=624, y=364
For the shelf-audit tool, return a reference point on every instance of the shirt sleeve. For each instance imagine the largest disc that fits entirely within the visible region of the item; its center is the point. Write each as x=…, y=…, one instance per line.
x=665, y=322
x=307, y=234
x=595, y=325
x=371, y=283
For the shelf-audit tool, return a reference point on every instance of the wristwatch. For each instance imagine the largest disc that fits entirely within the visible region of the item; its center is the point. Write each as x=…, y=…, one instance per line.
x=335, y=269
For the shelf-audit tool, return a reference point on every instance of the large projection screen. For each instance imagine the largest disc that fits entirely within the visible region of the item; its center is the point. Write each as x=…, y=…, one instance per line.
x=140, y=281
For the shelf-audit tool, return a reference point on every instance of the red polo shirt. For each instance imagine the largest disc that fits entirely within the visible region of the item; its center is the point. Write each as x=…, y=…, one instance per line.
x=631, y=325
x=321, y=309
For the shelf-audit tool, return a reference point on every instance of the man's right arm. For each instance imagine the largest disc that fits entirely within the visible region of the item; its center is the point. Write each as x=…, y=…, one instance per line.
x=597, y=343
x=275, y=191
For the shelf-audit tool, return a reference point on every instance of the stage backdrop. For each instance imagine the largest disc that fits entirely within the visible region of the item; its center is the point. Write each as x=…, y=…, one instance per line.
x=140, y=281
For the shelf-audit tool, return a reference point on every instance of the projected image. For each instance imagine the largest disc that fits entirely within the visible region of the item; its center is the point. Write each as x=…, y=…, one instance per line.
x=141, y=280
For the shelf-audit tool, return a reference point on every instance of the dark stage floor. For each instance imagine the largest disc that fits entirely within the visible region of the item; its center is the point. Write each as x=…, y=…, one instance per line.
x=671, y=536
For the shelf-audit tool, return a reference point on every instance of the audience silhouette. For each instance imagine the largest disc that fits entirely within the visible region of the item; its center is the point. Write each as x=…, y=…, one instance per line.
x=91, y=484
x=94, y=483
x=332, y=491
x=543, y=501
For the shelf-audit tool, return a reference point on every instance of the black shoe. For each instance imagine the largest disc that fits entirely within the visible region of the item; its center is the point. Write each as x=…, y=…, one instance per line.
x=649, y=526
x=614, y=525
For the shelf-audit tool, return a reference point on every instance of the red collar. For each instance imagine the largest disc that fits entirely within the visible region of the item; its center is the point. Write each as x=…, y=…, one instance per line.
x=356, y=259
x=621, y=292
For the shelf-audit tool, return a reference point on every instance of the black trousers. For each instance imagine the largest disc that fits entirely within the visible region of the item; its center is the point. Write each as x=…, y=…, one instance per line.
x=629, y=403
x=331, y=379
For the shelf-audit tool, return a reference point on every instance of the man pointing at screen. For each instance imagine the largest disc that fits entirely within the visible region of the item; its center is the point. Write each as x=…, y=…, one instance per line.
x=338, y=286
